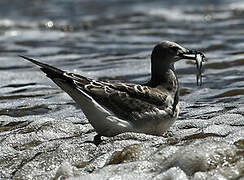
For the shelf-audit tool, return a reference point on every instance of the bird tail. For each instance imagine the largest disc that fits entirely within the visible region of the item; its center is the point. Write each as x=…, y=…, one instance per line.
x=50, y=71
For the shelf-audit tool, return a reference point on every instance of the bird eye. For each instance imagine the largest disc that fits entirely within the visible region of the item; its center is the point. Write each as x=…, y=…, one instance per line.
x=174, y=48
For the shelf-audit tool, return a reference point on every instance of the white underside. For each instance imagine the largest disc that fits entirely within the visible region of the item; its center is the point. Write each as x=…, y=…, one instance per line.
x=107, y=124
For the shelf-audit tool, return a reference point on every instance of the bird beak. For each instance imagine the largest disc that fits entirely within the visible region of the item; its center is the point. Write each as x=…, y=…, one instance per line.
x=195, y=55
x=189, y=54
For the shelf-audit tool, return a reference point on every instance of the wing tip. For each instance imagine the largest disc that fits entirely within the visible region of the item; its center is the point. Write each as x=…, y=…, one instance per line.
x=51, y=71
x=33, y=60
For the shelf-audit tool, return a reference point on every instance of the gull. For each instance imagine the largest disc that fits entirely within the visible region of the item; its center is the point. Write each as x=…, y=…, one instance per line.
x=116, y=107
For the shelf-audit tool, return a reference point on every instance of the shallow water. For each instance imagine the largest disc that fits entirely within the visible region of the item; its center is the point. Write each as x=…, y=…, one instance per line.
x=42, y=131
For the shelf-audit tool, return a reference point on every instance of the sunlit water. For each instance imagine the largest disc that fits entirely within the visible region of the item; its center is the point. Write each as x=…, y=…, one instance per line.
x=42, y=131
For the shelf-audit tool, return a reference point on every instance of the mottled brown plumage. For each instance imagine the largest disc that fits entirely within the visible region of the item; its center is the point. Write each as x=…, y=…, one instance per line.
x=115, y=107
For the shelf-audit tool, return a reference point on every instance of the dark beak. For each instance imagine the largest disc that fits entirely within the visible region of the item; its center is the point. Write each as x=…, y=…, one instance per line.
x=191, y=54
x=198, y=57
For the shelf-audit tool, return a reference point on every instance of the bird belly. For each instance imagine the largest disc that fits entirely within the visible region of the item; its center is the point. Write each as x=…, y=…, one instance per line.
x=157, y=122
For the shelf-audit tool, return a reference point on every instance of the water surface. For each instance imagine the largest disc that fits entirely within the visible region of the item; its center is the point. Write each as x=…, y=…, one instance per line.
x=42, y=131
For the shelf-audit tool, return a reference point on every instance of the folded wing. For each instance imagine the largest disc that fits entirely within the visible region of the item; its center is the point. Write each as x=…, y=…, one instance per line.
x=125, y=100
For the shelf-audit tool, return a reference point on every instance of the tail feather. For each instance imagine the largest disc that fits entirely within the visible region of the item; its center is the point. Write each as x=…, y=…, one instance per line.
x=50, y=71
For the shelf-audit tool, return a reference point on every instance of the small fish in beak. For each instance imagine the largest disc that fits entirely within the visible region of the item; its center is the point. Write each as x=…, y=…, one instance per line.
x=200, y=58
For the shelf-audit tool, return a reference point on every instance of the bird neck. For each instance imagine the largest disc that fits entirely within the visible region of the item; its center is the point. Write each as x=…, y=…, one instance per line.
x=165, y=79
x=161, y=74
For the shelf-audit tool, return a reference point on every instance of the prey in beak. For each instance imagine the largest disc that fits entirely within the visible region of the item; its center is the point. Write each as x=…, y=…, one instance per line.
x=199, y=59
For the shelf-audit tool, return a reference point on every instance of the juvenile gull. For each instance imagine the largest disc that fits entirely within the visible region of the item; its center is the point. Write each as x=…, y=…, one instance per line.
x=113, y=107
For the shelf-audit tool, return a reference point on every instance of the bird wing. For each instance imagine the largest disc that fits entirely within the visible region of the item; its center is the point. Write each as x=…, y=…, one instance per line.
x=125, y=100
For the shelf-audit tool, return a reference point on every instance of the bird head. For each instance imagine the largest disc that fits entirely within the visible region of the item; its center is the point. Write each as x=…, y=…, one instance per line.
x=170, y=52
x=166, y=53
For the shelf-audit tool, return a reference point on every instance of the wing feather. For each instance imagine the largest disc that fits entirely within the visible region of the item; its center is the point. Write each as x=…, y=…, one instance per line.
x=126, y=100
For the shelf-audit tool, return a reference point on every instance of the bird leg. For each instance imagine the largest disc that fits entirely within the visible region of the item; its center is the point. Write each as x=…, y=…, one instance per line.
x=97, y=140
